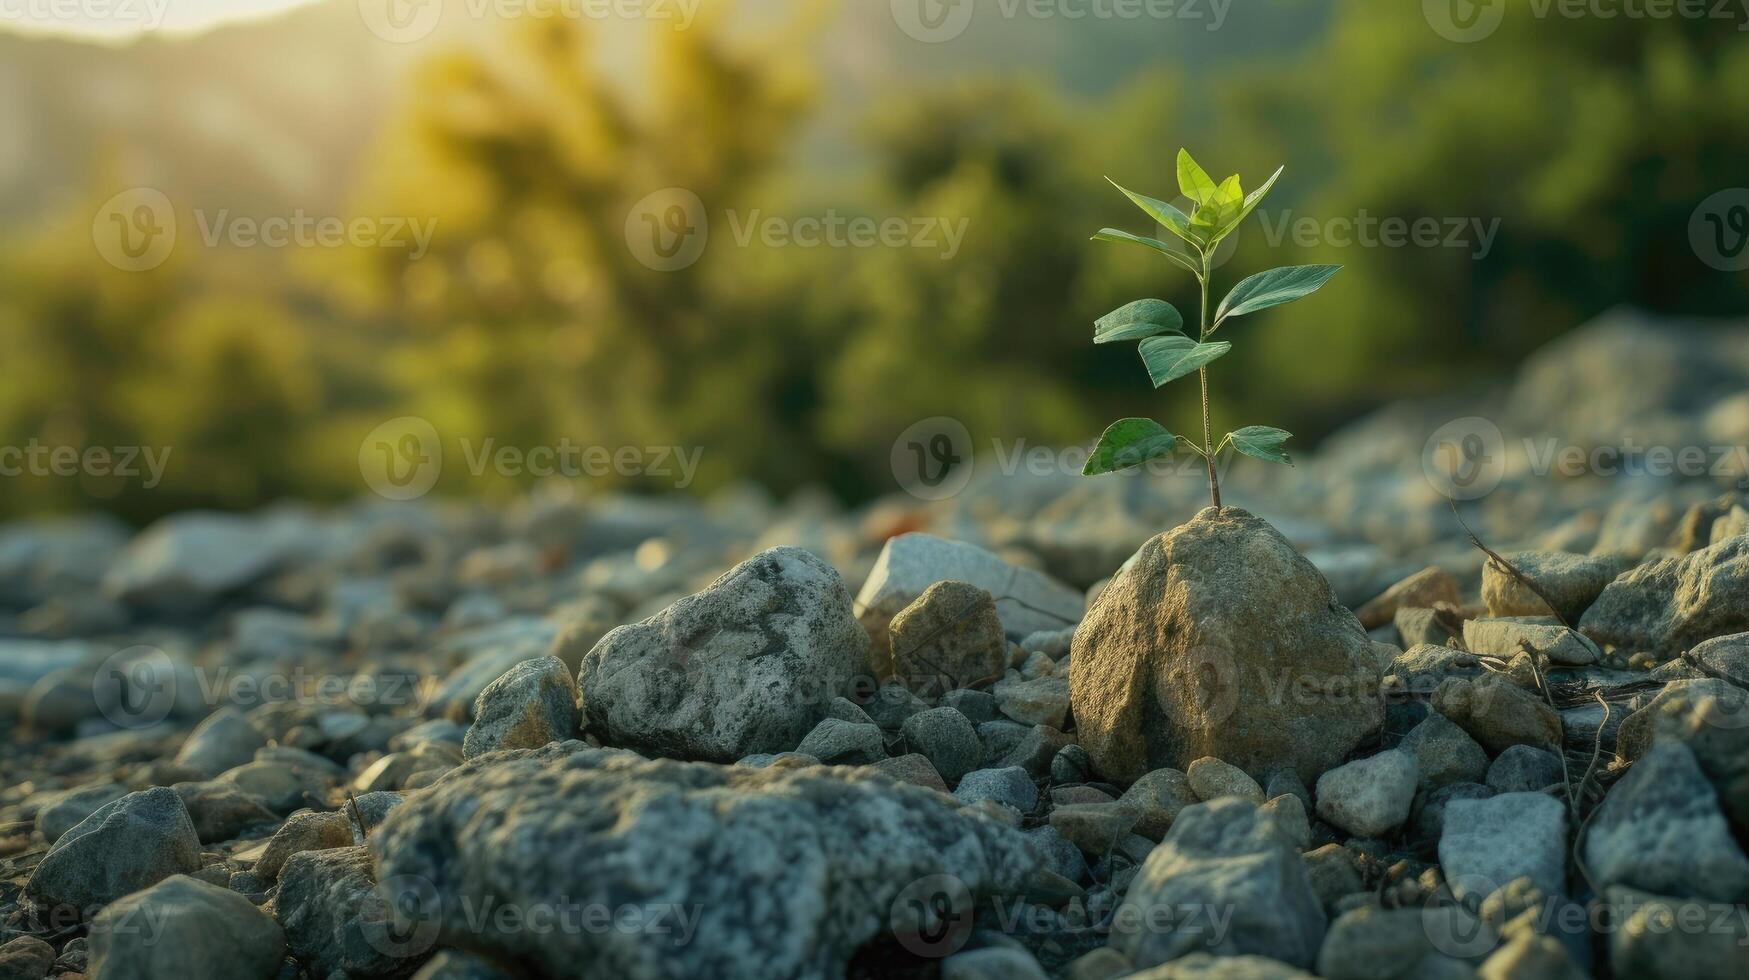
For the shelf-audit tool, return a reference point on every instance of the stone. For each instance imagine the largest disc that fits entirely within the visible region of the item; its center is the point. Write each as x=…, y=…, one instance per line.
x=1660, y=830
x=338, y=924
x=181, y=927
x=1524, y=769
x=1212, y=779
x=1489, y=842
x=1289, y=814
x=979, y=706
x=1530, y=955
x=1444, y=753
x=948, y=739
x=1219, y=639
x=1010, y=786
x=64, y=811
x=1223, y=855
x=1498, y=713
x=948, y=638
x=1103, y=963
x=1650, y=939
x=1420, y=669
x=481, y=656
x=221, y=811
x=224, y=740
x=748, y=665
x=891, y=704
x=1203, y=966
x=837, y=854
x=1071, y=765
x=1042, y=701
x=186, y=561
x=1095, y=828
x=26, y=958
x=1422, y=590
x=122, y=847
x=1427, y=817
x=452, y=964
x=1711, y=717
x=992, y=963
x=282, y=788
x=914, y=768
x=1372, y=943
x=1334, y=873
x=1060, y=856
x=1724, y=657
x=531, y=704
x=1026, y=599
x=844, y=743
x=1417, y=627
x=1505, y=638
x=306, y=831
x=1369, y=797
x=1668, y=605
x=1161, y=796
x=1572, y=582
x=845, y=709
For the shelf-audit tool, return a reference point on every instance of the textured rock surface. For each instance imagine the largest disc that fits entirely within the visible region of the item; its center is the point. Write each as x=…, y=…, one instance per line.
x=1498, y=713
x=1221, y=640
x=1653, y=942
x=831, y=849
x=336, y=920
x=1227, y=856
x=1369, y=797
x=1660, y=830
x=1444, y=753
x=947, y=738
x=1711, y=717
x=1505, y=638
x=124, y=846
x=1671, y=604
x=1489, y=842
x=1422, y=590
x=1027, y=600
x=949, y=637
x=1572, y=582
x=748, y=665
x=185, y=929
x=533, y=703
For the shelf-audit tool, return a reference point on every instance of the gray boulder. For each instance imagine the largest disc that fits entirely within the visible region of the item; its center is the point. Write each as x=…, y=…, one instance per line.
x=1711, y=717
x=188, y=929
x=1572, y=582
x=1724, y=657
x=1671, y=604
x=1011, y=786
x=122, y=847
x=840, y=855
x=1369, y=797
x=835, y=741
x=1489, y=842
x=1524, y=769
x=948, y=739
x=1444, y=753
x=339, y=924
x=749, y=665
x=1027, y=600
x=1227, y=856
x=1219, y=639
x=187, y=560
x=224, y=740
x=68, y=807
x=1660, y=830
x=533, y=703
x=1498, y=713
x=1505, y=637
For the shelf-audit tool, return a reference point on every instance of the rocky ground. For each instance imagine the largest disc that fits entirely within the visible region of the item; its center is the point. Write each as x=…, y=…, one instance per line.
x=1017, y=733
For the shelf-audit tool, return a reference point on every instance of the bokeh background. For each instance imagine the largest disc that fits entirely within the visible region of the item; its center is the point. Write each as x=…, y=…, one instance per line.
x=530, y=137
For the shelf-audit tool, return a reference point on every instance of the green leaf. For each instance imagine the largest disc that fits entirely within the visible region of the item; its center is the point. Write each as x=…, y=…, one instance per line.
x=1171, y=358
x=1169, y=217
x=1261, y=442
x=1256, y=197
x=1220, y=212
x=1273, y=288
x=1133, y=321
x=1127, y=443
x=1193, y=181
x=1183, y=261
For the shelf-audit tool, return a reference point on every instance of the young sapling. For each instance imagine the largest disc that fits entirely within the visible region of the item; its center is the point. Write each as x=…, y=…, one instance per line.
x=1167, y=351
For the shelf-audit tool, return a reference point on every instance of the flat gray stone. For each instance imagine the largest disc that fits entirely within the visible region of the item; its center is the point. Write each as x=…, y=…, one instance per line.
x=1489, y=842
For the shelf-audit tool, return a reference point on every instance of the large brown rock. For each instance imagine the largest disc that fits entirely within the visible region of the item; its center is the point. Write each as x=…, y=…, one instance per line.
x=1220, y=640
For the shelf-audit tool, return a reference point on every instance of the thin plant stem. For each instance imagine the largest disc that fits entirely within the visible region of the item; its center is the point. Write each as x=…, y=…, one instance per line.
x=1208, y=438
